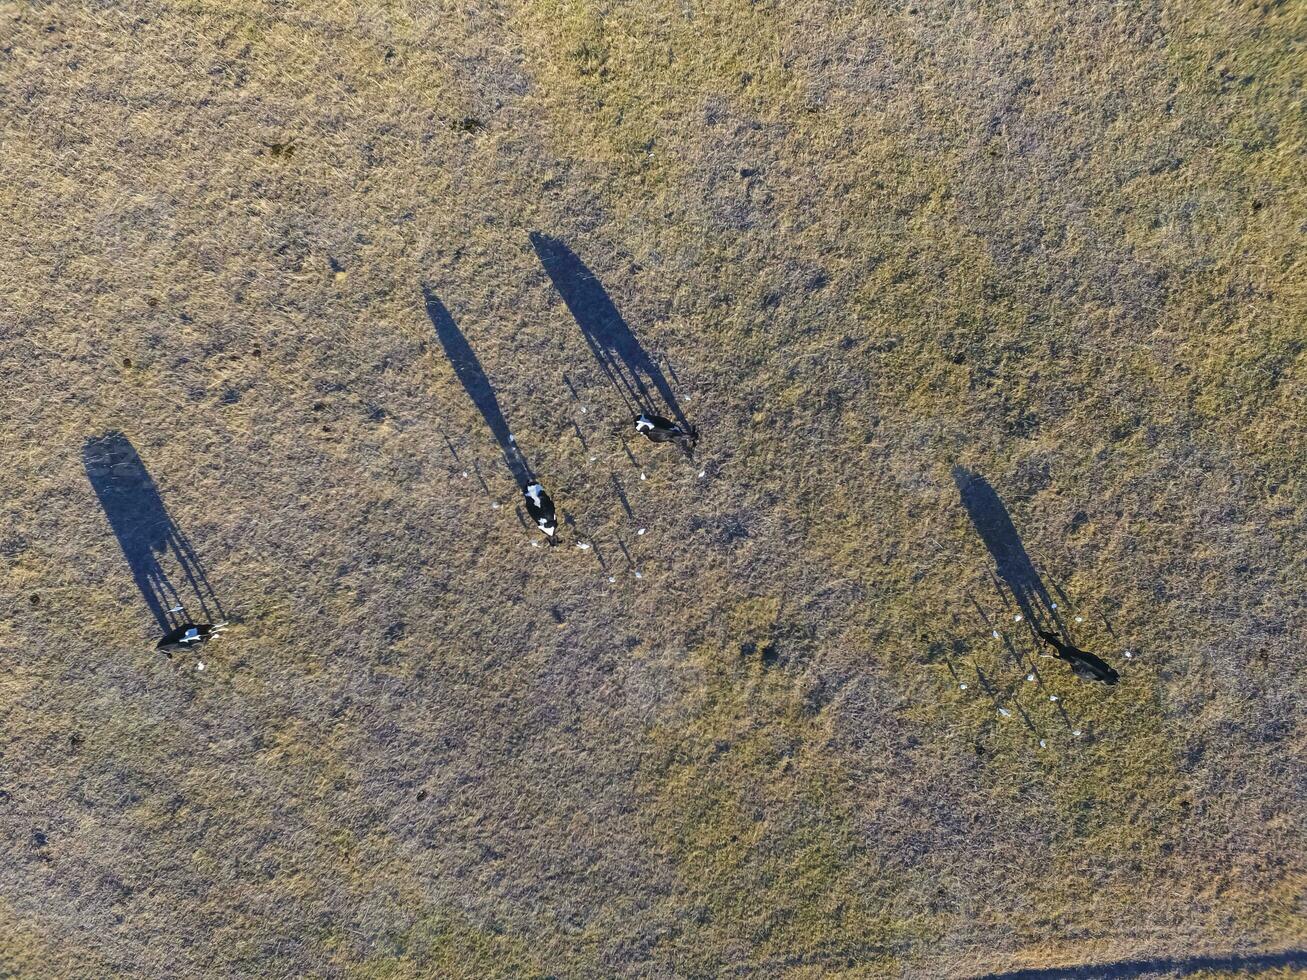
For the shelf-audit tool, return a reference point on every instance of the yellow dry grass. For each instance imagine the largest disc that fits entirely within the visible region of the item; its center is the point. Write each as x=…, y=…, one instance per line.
x=1057, y=245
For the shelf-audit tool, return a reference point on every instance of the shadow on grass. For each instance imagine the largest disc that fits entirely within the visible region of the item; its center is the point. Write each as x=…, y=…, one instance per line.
x=478, y=387
x=994, y=525
x=164, y=566
x=621, y=496
x=624, y=360
x=1125, y=969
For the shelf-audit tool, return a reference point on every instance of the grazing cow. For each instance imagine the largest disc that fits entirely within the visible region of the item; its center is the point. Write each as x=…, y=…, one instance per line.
x=541, y=508
x=1083, y=663
x=190, y=634
x=655, y=428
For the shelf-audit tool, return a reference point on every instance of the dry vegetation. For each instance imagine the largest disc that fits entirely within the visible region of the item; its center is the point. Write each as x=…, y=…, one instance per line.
x=1056, y=244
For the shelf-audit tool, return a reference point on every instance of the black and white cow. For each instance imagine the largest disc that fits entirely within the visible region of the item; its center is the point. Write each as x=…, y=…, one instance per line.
x=190, y=635
x=655, y=428
x=1083, y=663
x=541, y=508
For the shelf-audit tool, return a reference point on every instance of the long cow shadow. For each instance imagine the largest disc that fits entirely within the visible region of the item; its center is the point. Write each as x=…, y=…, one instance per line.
x=1126, y=969
x=994, y=525
x=624, y=360
x=477, y=385
x=164, y=566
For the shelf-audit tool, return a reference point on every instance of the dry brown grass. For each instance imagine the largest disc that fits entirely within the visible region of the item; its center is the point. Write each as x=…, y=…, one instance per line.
x=1059, y=245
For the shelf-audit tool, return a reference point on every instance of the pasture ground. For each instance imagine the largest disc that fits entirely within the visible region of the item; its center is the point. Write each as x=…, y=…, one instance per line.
x=1058, y=245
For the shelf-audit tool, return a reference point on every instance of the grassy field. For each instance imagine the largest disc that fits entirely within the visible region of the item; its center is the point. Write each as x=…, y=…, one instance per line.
x=871, y=246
